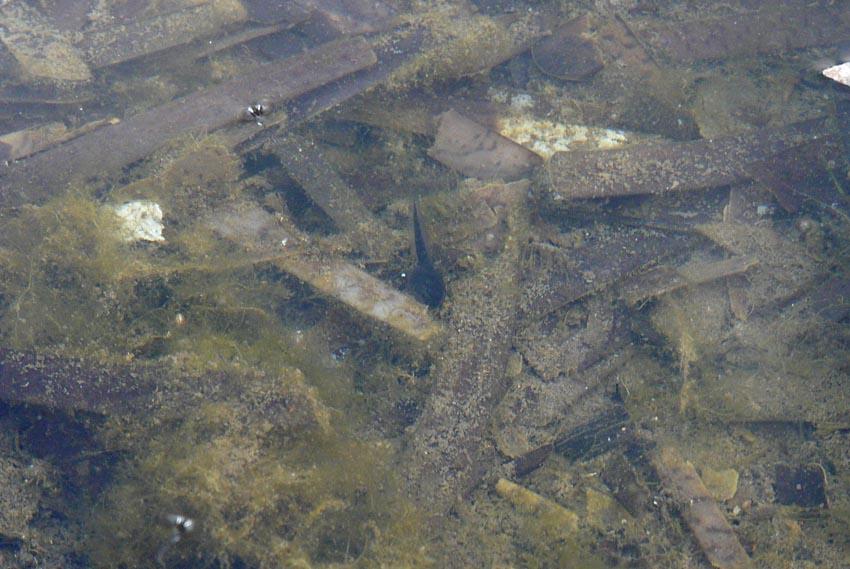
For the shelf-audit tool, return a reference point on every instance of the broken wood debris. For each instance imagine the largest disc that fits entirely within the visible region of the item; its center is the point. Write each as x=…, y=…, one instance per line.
x=662, y=167
x=351, y=16
x=570, y=340
x=476, y=151
x=23, y=143
x=802, y=486
x=448, y=455
x=41, y=52
x=119, y=42
x=771, y=29
x=256, y=229
x=557, y=276
x=533, y=503
x=146, y=390
x=569, y=53
x=715, y=536
x=576, y=415
x=663, y=279
x=107, y=150
x=365, y=294
x=305, y=163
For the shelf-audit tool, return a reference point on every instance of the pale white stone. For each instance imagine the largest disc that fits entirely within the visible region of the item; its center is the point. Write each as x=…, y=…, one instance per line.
x=141, y=220
x=545, y=137
x=840, y=73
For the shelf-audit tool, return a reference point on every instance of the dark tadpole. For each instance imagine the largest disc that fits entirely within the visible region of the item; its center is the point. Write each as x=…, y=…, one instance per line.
x=424, y=281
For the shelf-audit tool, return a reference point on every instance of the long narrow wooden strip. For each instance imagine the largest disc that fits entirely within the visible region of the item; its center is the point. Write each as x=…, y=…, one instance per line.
x=711, y=530
x=306, y=164
x=104, y=46
x=773, y=28
x=365, y=294
x=109, y=149
x=658, y=168
x=448, y=452
x=141, y=389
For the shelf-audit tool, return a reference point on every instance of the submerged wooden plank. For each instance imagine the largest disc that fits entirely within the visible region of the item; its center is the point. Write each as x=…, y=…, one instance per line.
x=449, y=451
x=145, y=389
x=773, y=29
x=257, y=230
x=104, y=46
x=560, y=275
x=711, y=530
x=365, y=294
x=561, y=519
x=306, y=164
x=42, y=52
x=664, y=279
x=474, y=150
x=664, y=167
x=352, y=16
x=107, y=150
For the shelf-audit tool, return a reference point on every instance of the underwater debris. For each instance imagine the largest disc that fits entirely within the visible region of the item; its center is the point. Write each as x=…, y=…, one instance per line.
x=23, y=143
x=147, y=390
x=306, y=164
x=476, y=151
x=710, y=528
x=122, y=41
x=351, y=16
x=366, y=294
x=533, y=503
x=41, y=51
x=106, y=150
x=569, y=53
x=256, y=229
x=839, y=73
x=663, y=167
x=663, y=279
x=141, y=220
x=769, y=29
x=545, y=137
x=802, y=486
x=448, y=453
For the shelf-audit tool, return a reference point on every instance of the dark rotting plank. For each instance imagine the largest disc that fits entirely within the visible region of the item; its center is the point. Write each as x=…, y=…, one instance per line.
x=142, y=389
x=449, y=451
x=305, y=163
x=768, y=30
x=658, y=168
x=715, y=536
x=107, y=150
x=664, y=167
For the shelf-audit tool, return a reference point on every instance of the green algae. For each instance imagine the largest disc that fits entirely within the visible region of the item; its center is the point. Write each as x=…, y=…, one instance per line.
x=313, y=498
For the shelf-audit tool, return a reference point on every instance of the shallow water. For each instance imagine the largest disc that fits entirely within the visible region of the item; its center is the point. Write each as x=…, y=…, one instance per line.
x=641, y=357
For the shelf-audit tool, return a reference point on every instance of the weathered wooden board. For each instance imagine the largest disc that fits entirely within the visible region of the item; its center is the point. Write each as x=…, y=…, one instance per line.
x=561, y=275
x=107, y=150
x=306, y=164
x=449, y=452
x=141, y=389
x=663, y=167
x=474, y=150
x=771, y=29
x=711, y=530
x=102, y=46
